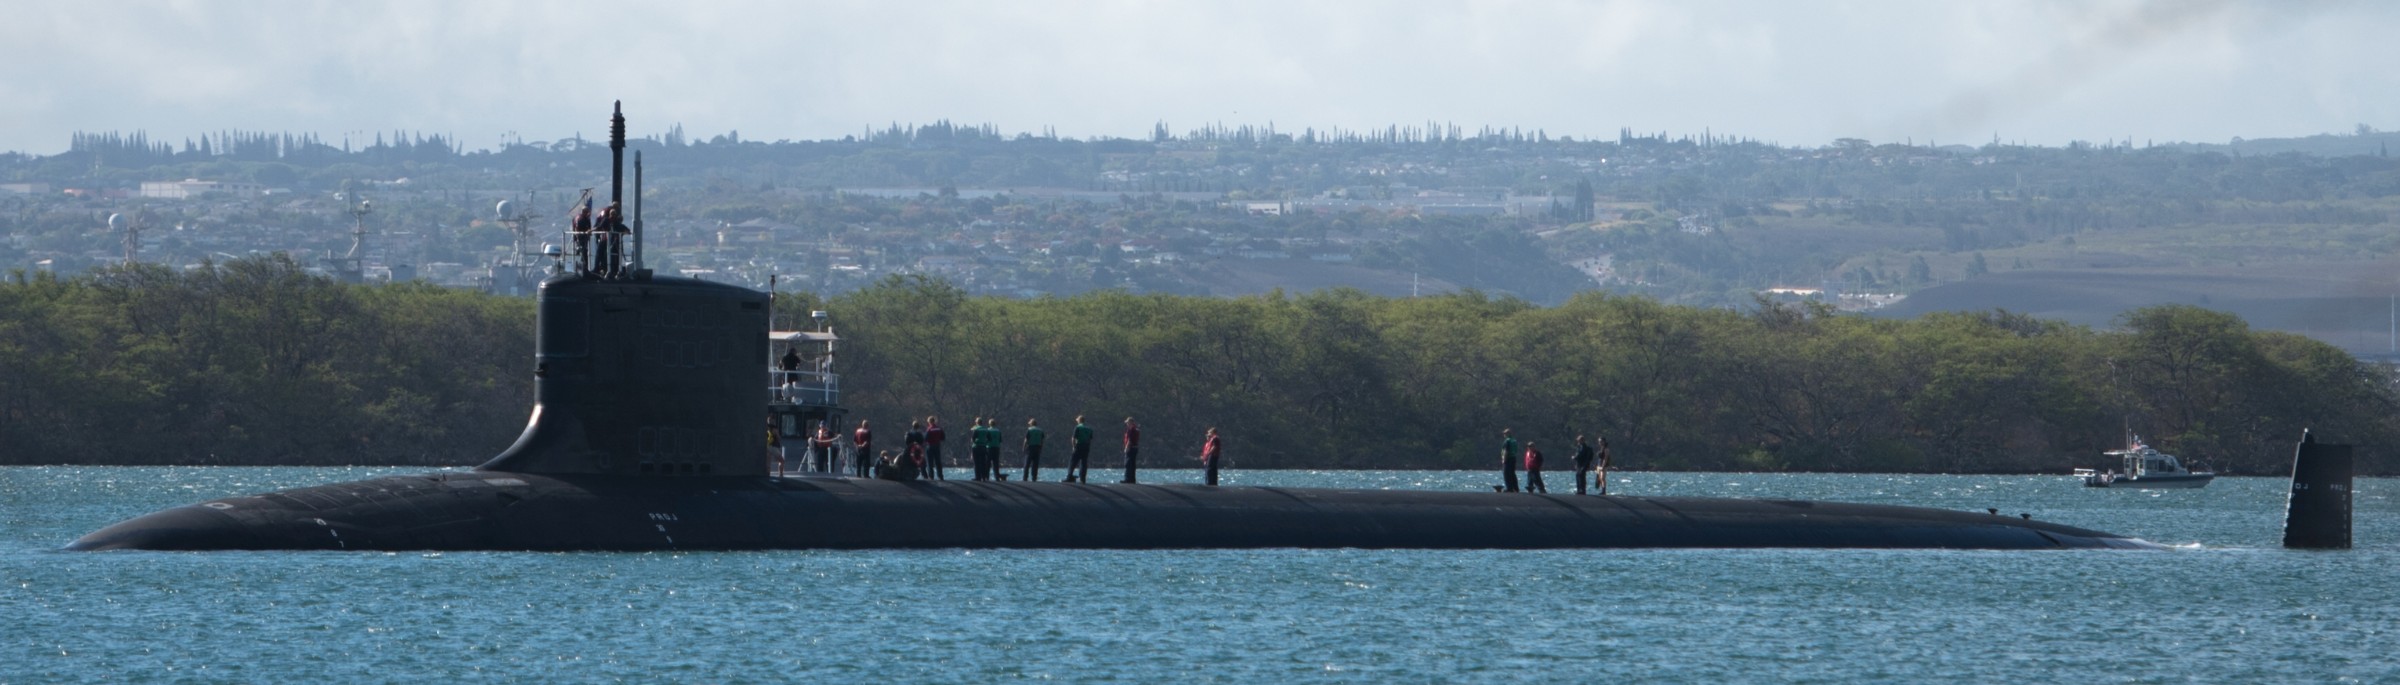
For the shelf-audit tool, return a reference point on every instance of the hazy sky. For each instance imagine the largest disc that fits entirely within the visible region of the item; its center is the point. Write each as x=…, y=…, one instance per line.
x=1794, y=73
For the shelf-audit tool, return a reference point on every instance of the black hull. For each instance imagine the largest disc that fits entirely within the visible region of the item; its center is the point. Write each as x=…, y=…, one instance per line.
x=509, y=511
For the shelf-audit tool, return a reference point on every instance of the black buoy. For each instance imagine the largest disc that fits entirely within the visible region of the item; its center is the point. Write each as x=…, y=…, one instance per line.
x=2319, y=513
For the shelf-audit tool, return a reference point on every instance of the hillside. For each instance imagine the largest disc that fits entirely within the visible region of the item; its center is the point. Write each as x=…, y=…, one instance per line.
x=1239, y=277
x=2347, y=304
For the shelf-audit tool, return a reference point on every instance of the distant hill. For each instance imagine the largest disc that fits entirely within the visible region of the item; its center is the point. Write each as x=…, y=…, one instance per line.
x=1238, y=277
x=2370, y=142
x=2346, y=304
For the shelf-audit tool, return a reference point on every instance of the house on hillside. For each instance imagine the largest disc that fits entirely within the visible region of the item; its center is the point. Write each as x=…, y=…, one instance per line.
x=191, y=187
x=757, y=232
x=945, y=264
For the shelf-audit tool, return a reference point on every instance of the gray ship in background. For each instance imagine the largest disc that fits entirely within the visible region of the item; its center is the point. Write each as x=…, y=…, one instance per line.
x=647, y=435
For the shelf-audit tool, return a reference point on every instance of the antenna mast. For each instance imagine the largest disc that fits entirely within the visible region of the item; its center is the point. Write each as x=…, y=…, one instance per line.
x=637, y=214
x=616, y=155
x=350, y=267
x=131, y=227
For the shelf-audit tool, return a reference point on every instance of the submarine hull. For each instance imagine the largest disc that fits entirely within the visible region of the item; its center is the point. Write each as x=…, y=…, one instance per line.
x=510, y=511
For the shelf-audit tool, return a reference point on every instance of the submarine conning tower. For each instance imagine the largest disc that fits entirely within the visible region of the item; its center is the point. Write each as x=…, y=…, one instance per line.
x=641, y=375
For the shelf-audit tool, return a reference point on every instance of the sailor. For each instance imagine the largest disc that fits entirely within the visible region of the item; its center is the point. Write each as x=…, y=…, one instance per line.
x=791, y=367
x=975, y=446
x=983, y=463
x=912, y=462
x=994, y=439
x=913, y=446
x=983, y=466
x=933, y=448
x=1211, y=455
x=1133, y=448
x=1079, y=459
x=1533, y=469
x=862, y=448
x=1033, y=452
x=991, y=445
x=1603, y=467
x=889, y=466
x=579, y=227
x=611, y=261
x=820, y=449
x=1508, y=462
x=1583, y=462
x=774, y=447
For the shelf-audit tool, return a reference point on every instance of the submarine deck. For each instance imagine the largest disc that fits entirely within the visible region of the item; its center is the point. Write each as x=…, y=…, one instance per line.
x=487, y=510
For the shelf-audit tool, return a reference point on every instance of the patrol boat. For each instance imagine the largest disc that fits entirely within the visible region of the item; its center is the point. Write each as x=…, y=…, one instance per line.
x=646, y=434
x=2145, y=467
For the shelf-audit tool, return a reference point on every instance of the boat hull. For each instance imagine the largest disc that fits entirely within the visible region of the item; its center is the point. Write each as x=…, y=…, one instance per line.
x=2153, y=482
x=511, y=511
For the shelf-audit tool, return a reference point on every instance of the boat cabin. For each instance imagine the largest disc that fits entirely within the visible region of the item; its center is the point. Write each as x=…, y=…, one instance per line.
x=2145, y=461
x=802, y=388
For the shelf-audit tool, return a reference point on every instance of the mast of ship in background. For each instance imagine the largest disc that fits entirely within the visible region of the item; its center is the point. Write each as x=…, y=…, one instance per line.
x=523, y=266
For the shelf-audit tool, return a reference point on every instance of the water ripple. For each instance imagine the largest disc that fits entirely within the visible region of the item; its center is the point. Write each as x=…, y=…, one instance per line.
x=2227, y=605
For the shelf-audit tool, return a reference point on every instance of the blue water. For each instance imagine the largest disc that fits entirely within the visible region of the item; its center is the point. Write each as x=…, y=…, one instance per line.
x=2226, y=605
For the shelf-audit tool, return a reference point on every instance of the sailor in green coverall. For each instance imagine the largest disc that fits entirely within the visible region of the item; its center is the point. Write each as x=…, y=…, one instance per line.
x=1033, y=452
x=1079, y=459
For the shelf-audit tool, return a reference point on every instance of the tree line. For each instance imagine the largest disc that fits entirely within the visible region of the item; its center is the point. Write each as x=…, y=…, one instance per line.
x=254, y=361
x=1340, y=379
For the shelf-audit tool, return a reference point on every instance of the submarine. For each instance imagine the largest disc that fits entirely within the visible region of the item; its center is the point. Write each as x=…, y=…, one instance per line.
x=646, y=435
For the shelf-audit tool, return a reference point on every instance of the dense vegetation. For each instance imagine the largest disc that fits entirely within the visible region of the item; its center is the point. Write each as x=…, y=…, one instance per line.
x=253, y=361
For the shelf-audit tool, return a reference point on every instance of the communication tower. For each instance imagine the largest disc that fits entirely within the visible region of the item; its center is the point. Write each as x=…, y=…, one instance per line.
x=348, y=267
x=129, y=229
x=521, y=271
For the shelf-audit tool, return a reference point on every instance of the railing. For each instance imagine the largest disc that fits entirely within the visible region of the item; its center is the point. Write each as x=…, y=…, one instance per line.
x=819, y=388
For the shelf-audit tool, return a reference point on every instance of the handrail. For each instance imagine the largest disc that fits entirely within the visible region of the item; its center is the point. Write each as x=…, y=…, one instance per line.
x=805, y=387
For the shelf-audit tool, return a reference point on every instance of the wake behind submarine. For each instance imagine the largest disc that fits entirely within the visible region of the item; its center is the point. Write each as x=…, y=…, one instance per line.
x=645, y=435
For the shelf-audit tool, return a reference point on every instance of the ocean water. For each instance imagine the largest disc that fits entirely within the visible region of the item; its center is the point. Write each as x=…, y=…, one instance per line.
x=2226, y=605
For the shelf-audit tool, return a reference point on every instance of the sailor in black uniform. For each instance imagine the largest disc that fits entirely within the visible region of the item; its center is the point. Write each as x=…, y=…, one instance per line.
x=1508, y=461
x=1583, y=462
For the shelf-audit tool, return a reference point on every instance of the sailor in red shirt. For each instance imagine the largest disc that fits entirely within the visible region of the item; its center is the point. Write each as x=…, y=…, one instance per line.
x=933, y=448
x=1211, y=454
x=821, y=448
x=1133, y=448
x=861, y=443
x=1533, y=469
